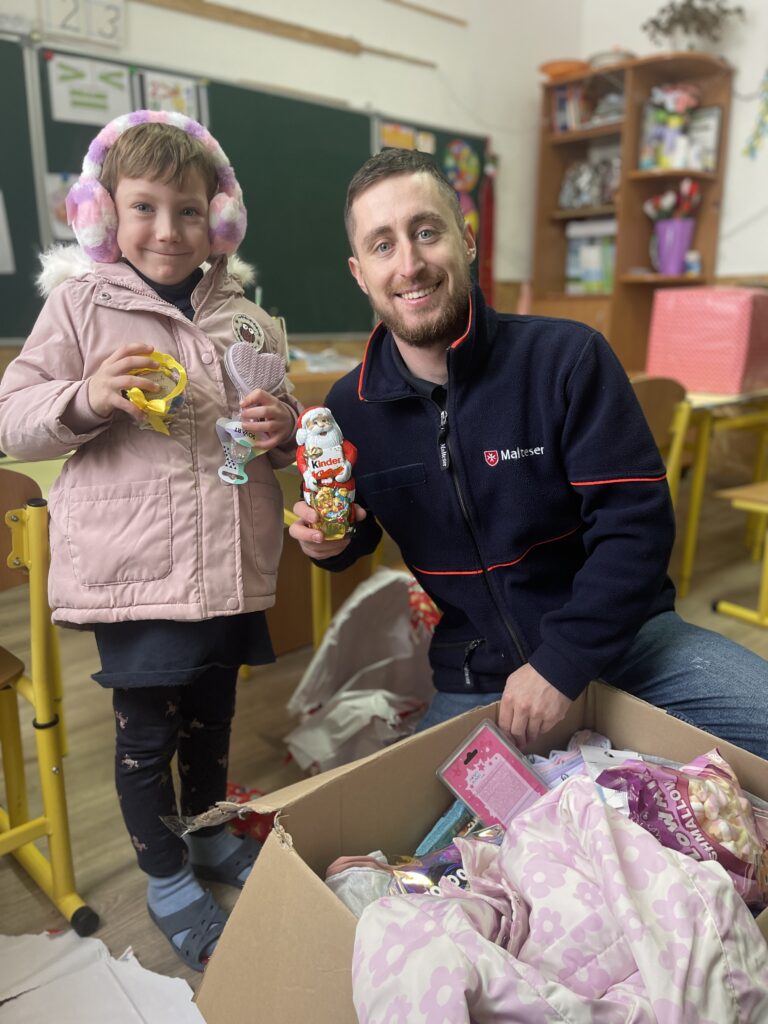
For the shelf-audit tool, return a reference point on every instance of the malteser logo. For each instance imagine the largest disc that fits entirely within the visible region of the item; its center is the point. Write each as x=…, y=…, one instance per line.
x=493, y=458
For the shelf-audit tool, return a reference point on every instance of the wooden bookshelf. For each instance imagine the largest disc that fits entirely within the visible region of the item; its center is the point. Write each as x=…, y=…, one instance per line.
x=676, y=279
x=671, y=173
x=624, y=314
x=597, y=131
x=585, y=212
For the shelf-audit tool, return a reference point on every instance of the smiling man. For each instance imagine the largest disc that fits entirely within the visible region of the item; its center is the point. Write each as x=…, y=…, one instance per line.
x=508, y=458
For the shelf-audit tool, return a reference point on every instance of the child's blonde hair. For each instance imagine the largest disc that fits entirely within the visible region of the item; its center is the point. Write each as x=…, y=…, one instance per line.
x=158, y=152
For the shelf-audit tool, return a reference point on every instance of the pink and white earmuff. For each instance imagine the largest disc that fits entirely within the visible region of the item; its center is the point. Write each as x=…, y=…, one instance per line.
x=91, y=211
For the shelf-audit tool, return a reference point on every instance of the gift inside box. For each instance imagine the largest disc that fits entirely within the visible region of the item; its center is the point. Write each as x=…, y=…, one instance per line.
x=288, y=944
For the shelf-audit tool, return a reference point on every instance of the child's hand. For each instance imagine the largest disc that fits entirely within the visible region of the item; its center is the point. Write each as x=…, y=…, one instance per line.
x=106, y=386
x=266, y=416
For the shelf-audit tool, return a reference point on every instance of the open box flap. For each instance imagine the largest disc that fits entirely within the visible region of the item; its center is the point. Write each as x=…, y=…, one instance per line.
x=288, y=927
x=633, y=724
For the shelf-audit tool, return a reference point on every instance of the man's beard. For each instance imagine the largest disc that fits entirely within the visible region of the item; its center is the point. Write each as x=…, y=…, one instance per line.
x=450, y=324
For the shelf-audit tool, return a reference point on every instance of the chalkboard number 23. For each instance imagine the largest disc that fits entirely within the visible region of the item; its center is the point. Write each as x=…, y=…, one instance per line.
x=100, y=21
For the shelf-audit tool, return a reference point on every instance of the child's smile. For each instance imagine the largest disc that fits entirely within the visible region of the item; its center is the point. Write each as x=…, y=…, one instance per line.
x=163, y=229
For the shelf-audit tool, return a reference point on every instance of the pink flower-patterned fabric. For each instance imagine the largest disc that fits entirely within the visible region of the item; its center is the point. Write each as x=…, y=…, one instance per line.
x=579, y=917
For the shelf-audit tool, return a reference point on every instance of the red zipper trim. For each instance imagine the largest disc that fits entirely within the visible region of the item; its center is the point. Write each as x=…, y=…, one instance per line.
x=362, y=365
x=469, y=324
x=619, y=480
x=499, y=565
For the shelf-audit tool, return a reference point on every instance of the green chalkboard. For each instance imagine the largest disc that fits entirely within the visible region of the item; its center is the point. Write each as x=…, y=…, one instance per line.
x=19, y=302
x=294, y=160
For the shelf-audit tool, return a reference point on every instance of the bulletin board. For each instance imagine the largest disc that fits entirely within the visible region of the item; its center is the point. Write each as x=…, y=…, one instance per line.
x=19, y=303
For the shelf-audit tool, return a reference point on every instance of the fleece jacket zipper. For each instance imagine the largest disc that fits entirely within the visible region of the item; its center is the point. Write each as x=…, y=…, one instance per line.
x=447, y=464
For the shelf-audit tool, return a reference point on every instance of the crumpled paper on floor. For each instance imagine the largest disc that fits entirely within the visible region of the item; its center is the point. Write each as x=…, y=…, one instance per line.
x=73, y=980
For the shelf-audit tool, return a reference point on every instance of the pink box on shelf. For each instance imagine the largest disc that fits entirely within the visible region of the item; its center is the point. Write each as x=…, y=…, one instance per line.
x=710, y=339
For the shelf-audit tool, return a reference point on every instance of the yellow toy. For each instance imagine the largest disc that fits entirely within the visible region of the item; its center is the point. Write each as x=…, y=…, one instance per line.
x=160, y=407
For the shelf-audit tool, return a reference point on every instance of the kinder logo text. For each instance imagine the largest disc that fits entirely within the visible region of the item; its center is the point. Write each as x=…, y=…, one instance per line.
x=494, y=456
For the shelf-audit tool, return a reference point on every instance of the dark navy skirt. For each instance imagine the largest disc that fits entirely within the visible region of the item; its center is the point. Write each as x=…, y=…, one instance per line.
x=160, y=652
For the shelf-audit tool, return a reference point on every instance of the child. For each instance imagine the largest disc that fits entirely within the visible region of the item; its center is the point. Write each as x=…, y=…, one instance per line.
x=170, y=565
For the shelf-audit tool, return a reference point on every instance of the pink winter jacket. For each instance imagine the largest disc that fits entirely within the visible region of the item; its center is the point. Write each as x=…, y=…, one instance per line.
x=141, y=525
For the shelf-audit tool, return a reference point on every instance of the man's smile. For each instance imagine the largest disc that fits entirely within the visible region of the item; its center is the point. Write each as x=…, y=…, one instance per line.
x=417, y=294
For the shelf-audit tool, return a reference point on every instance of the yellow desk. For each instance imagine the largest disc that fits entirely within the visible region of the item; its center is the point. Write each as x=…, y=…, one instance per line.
x=710, y=413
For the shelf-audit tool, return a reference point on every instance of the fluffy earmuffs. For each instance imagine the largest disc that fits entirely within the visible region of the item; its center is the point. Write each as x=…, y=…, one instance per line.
x=91, y=210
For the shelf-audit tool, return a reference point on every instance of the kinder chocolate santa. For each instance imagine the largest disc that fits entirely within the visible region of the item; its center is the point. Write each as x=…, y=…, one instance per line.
x=325, y=461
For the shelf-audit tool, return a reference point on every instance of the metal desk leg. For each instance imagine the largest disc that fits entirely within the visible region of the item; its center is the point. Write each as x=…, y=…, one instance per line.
x=702, y=420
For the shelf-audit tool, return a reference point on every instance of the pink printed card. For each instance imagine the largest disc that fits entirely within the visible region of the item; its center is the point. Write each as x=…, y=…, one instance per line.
x=493, y=778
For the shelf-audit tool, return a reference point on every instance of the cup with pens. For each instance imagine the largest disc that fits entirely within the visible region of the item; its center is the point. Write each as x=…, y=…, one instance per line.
x=673, y=226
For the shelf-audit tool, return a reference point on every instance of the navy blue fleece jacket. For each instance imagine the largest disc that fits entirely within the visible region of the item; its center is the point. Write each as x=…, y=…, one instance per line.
x=534, y=509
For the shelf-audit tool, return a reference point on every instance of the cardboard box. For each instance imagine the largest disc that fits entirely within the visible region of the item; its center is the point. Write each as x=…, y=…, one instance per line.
x=710, y=339
x=286, y=951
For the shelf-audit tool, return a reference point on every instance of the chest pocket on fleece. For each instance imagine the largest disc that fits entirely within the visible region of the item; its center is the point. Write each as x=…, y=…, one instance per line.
x=120, y=533
x=391, y=479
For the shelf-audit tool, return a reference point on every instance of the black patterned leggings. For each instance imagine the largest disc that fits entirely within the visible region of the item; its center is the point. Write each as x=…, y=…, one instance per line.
x=154, y=723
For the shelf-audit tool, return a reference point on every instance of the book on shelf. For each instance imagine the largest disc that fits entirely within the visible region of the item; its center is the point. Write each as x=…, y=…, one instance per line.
x=590, y=256
x=704, y=138
x=570, y=109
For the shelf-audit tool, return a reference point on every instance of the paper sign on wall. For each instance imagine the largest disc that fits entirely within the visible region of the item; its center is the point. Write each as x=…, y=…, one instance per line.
x=7, y=261
x=87, y=91
x=56, y=188
x=170, y=92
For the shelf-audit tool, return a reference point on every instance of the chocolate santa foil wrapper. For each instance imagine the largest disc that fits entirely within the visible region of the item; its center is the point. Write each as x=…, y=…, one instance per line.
x=326, y=463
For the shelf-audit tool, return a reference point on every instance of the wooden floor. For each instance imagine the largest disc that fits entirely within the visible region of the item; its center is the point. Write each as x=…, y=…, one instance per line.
x=107, y=875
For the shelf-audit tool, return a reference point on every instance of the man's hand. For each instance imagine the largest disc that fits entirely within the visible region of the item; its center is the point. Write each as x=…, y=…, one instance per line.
x=311, y=539
x=266, y=416
x=114, y=376
x=530, y=705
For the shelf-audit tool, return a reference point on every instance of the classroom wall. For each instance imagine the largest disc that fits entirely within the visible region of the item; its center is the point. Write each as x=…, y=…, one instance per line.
x=486, y=82
x=744, y=219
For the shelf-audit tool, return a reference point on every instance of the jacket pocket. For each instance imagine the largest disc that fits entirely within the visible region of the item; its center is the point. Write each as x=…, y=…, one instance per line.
x=120, y=533
x=266, y=512
x=390, y=479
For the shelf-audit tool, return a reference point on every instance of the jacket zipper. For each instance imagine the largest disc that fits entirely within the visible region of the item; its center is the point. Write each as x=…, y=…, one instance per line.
x=446, y=464
x=468, y=652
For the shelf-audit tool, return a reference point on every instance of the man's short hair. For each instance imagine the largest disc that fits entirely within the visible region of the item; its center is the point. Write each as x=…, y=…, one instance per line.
x=387, y=164
x=158, y=152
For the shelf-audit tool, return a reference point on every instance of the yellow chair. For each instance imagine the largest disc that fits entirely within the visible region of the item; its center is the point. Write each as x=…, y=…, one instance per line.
x=320, y=583
x=24, y=558
x=751, y=498
x=668, y=413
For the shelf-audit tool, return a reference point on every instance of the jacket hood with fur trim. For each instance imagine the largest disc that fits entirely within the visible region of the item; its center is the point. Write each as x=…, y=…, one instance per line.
x=62, y=262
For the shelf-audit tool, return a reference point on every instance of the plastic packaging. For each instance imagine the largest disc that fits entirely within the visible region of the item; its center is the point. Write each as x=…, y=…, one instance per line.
x=160, y=406
x=423, y=874
x=699, y=810
x=457, y=821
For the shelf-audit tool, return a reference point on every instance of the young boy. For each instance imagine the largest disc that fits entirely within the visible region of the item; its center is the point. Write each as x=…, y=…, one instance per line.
x=170, y=564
